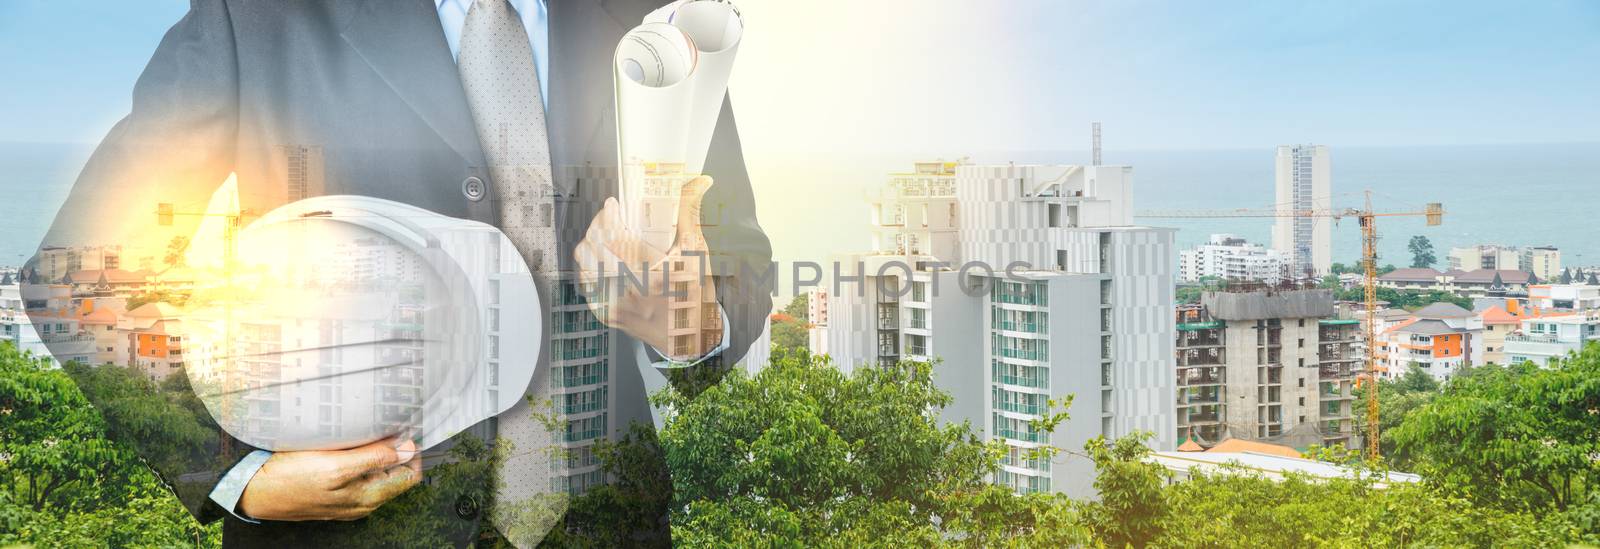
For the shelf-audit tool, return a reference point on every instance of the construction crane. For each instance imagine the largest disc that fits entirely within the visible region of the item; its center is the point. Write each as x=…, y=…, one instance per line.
x=1433, y=213
x=232, y=221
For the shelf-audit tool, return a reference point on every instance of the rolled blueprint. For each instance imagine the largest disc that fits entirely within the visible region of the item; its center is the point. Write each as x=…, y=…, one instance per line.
x=671, y=76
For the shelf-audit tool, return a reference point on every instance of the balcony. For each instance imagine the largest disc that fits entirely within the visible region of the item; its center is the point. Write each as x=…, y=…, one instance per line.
x=1022, y=408
x=889, y=321
x=1199, y=359
x=1026, y=436
x=1199, y=339
x=576, y=354
x=1029, y=327
x=1338, y=336
x=582, y=407
x=1338, y=355
x=1339, y=371
x=1197, y=377
x=1533, y=338
x=575, y=381
x=1037, y=382
x=574, y=327
x=1038, y=356
x=575, y=436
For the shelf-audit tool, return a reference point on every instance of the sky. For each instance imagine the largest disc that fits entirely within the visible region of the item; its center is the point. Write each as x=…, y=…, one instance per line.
x=832, y=94
x=916, y=75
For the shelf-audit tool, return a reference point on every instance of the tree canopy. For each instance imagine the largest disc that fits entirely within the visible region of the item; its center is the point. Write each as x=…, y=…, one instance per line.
x=1421, y=252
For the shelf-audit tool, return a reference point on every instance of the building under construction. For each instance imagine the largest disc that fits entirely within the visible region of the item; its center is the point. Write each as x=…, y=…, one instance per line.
x=1267, y=364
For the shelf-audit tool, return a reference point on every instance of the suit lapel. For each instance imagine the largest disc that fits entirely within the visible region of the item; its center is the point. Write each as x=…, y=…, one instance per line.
x=404, y=44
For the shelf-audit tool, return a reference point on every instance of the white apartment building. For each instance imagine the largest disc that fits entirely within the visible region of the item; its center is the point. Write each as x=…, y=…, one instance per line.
x=1304, y=175
x=1485, y=256
x=1230, y=257
x=1543, y=261
x=1089, y=315
x=1563, y=297
x=1547, y=339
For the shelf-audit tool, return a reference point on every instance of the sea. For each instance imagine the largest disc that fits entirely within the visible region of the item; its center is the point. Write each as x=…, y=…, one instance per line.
x=813, y=206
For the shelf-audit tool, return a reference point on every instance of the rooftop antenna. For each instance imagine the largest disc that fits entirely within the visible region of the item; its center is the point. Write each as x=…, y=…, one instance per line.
x=1097, y=143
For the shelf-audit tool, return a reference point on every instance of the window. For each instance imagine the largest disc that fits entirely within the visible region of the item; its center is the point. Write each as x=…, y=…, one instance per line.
x=1055, y=215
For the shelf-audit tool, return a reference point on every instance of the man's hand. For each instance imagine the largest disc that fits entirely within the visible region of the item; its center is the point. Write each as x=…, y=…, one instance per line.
x=678, y=314
x=331, y=485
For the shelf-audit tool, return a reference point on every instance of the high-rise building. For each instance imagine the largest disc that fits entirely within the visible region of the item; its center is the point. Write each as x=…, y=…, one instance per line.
x=1266, y=365
x=1304, y=182
x=1485, y=256
x=1543, y=261
x=303, y=171
x=1084, y=311
x=817, y=313
x=1229, y=257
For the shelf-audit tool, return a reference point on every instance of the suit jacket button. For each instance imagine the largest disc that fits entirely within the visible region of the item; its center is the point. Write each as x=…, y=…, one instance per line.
x=466, y=508
x=472, y=187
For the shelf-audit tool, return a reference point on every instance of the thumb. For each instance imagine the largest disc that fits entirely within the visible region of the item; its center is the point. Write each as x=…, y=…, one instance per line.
x=689, y=202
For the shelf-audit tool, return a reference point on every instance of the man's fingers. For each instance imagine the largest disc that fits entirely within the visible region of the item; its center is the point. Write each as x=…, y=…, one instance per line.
x=384, y=485
x=689, y=202
x=377, y=456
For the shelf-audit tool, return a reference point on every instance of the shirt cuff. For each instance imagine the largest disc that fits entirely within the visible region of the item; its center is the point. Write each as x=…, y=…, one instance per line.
x=227, y=492
x=721, y=346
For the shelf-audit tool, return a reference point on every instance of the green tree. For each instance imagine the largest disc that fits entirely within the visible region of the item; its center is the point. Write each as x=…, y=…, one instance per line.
x=1519, y=437
x=175, y=250
x=1190, y=293
x=791, y=327
x=778, y=450
x=1133, y=500
x=1396, y=399
x=64, y=482
x=803, y=455
x=1406, y=299
x=1421, y=252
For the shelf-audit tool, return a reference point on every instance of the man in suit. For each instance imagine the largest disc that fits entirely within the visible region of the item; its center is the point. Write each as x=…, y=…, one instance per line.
x=422, y=102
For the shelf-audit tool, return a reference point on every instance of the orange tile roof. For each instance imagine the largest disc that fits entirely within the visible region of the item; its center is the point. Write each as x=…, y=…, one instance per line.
x=1190, y=446
x=1241, y=445
x=1498, y=315
x=102, y=315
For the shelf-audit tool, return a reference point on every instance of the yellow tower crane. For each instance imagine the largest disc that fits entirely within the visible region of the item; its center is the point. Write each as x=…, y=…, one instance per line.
x=1433, y=212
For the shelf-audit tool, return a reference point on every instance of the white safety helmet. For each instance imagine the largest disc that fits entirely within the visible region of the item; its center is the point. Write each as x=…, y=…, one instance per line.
x=342, y=320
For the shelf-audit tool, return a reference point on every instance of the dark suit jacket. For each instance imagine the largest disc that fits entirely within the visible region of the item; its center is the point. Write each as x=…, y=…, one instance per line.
x=373, y=84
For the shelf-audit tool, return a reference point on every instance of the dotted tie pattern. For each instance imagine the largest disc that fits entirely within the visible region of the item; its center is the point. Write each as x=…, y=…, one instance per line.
x=502, y=88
